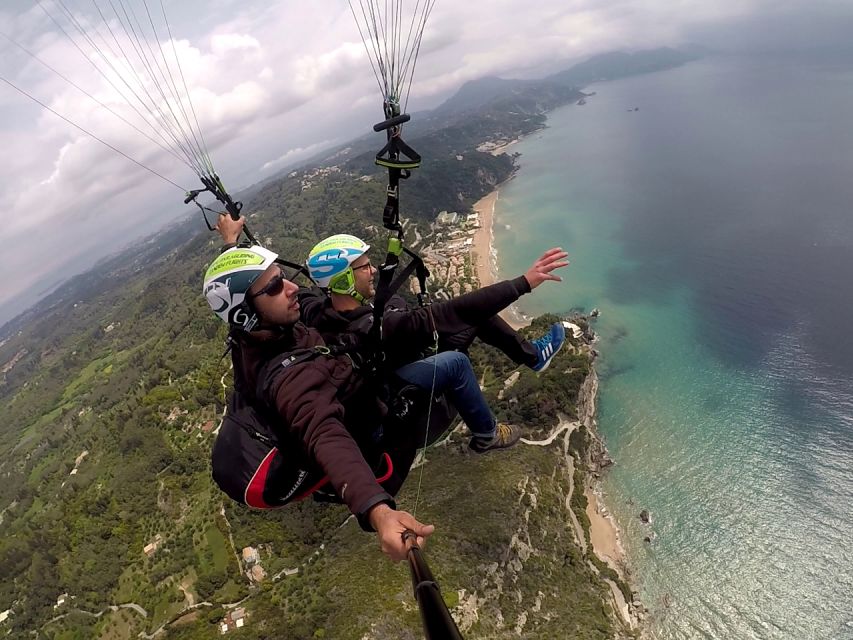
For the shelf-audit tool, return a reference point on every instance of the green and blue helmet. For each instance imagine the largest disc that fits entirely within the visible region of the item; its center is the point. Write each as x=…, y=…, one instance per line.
x=330, y=263
x=227, y=280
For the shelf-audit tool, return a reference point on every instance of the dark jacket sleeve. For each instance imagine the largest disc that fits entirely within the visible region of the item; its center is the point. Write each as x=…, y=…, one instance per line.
x=305, y=397
x=401, y=326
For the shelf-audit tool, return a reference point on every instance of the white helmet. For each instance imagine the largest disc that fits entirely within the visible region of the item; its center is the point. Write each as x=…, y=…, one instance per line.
x=229, y=277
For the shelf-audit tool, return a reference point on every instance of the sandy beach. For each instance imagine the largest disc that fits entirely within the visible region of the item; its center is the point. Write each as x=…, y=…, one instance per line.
x=483, y=238
x=482, y=254
x=603, y=530
x=604, y=533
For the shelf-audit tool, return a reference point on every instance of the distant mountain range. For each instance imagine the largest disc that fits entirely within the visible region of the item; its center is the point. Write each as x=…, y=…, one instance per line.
x=492, y=91
x=607, y=66
x=479, y=109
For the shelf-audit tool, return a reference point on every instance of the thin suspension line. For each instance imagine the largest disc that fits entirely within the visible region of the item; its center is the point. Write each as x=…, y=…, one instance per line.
x=407, y=51
x=171, y=125
x=370, y=26
x=366, y=47
x=150, y=63
x=417, y=50
x=186, y=89
x=92, y=135
x=376, y=25
x=90, y=96
x=106, y=77
x=372, y=41
x=395, y=34
x=147, y=64
x=392, y=57
x=94, y=66
x=385, y=23
x=428, y=423
x=135, y=75
x=419, y=23
x=171, y=81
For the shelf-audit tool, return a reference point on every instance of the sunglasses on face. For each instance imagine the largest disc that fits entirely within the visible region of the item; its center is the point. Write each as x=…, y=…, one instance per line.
x=272, y=288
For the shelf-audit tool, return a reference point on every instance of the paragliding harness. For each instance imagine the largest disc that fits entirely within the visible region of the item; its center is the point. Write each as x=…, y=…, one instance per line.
x=422, y=412
x=259, y=467
x=399, y=168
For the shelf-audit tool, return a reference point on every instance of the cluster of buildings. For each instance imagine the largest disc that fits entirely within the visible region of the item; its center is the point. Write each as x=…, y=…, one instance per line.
x=205, y=424
x=234, y=619
x=449, y=256
x=307, y=180
x=495, y=147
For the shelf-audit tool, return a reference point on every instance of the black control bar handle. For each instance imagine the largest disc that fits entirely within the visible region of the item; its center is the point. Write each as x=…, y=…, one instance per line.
x=392, y=122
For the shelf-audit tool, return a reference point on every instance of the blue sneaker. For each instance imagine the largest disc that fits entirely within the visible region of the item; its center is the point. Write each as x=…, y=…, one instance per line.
x=548, y=345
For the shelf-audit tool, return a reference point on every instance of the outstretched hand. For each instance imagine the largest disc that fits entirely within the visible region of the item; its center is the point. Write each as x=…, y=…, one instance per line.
x=391, y=524
x=229, y=228
x=540, y=271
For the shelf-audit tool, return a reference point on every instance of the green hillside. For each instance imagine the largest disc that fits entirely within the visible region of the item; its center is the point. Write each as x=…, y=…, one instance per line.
x=109, y=391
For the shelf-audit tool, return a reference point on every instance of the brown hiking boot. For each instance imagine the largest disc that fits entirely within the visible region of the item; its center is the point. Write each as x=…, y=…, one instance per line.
x=505, y=436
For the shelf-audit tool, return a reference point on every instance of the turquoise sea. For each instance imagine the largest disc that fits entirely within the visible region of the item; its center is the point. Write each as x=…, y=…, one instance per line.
x=708, y=213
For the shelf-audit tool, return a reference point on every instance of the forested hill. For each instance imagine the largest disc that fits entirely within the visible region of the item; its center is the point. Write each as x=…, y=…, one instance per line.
x=111, y=388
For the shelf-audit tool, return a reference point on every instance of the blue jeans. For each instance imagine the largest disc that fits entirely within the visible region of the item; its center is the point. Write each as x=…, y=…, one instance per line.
x=455, y=378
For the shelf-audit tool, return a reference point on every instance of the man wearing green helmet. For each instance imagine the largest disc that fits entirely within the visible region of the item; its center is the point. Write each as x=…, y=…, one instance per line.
x=340, y=265
x=283, y=436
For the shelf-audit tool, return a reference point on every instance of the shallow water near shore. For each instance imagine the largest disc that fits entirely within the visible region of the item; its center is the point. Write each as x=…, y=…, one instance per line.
x=712, y=228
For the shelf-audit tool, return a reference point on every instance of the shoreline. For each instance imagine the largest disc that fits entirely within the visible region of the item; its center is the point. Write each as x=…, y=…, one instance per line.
x=484, y=256
x=604, y=532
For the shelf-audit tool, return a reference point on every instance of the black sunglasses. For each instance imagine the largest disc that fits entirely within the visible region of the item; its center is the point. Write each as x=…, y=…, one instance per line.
x=272, y=288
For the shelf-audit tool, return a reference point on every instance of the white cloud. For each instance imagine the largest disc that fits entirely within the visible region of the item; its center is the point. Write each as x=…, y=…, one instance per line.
x=222, y=43
x=292, y=155
x=267, y=81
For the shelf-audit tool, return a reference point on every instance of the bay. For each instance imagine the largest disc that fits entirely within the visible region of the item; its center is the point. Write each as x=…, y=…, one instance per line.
x=707, y=213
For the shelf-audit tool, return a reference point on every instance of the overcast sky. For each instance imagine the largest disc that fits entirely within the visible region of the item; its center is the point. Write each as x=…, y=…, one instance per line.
x=274, y=82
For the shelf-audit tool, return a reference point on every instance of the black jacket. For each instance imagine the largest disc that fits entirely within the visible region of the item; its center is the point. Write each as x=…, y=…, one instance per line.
x=408, y=333
x=306, y=404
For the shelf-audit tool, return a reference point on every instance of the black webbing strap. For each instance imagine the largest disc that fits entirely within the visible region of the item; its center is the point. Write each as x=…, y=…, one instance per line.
x=387, y=287
x=383, y=294
x=391, y=212
x=417, y=265
x=399, y=158
x=390, y=155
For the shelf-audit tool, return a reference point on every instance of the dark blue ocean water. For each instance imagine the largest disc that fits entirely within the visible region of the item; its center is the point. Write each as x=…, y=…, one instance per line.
x=713, y=228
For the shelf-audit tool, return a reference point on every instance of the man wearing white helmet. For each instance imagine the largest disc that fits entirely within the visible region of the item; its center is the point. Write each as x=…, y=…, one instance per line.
x=340, y=265
x=284, y=435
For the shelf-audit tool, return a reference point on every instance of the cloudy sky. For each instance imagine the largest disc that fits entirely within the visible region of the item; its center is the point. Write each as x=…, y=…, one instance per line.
x=274, y=82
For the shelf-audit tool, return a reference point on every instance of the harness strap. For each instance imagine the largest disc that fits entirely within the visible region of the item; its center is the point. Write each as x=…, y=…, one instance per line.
x=389, y=155
x=387, y=286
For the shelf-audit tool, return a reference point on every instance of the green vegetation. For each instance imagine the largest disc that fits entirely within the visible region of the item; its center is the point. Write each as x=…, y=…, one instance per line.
x=126, y=365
